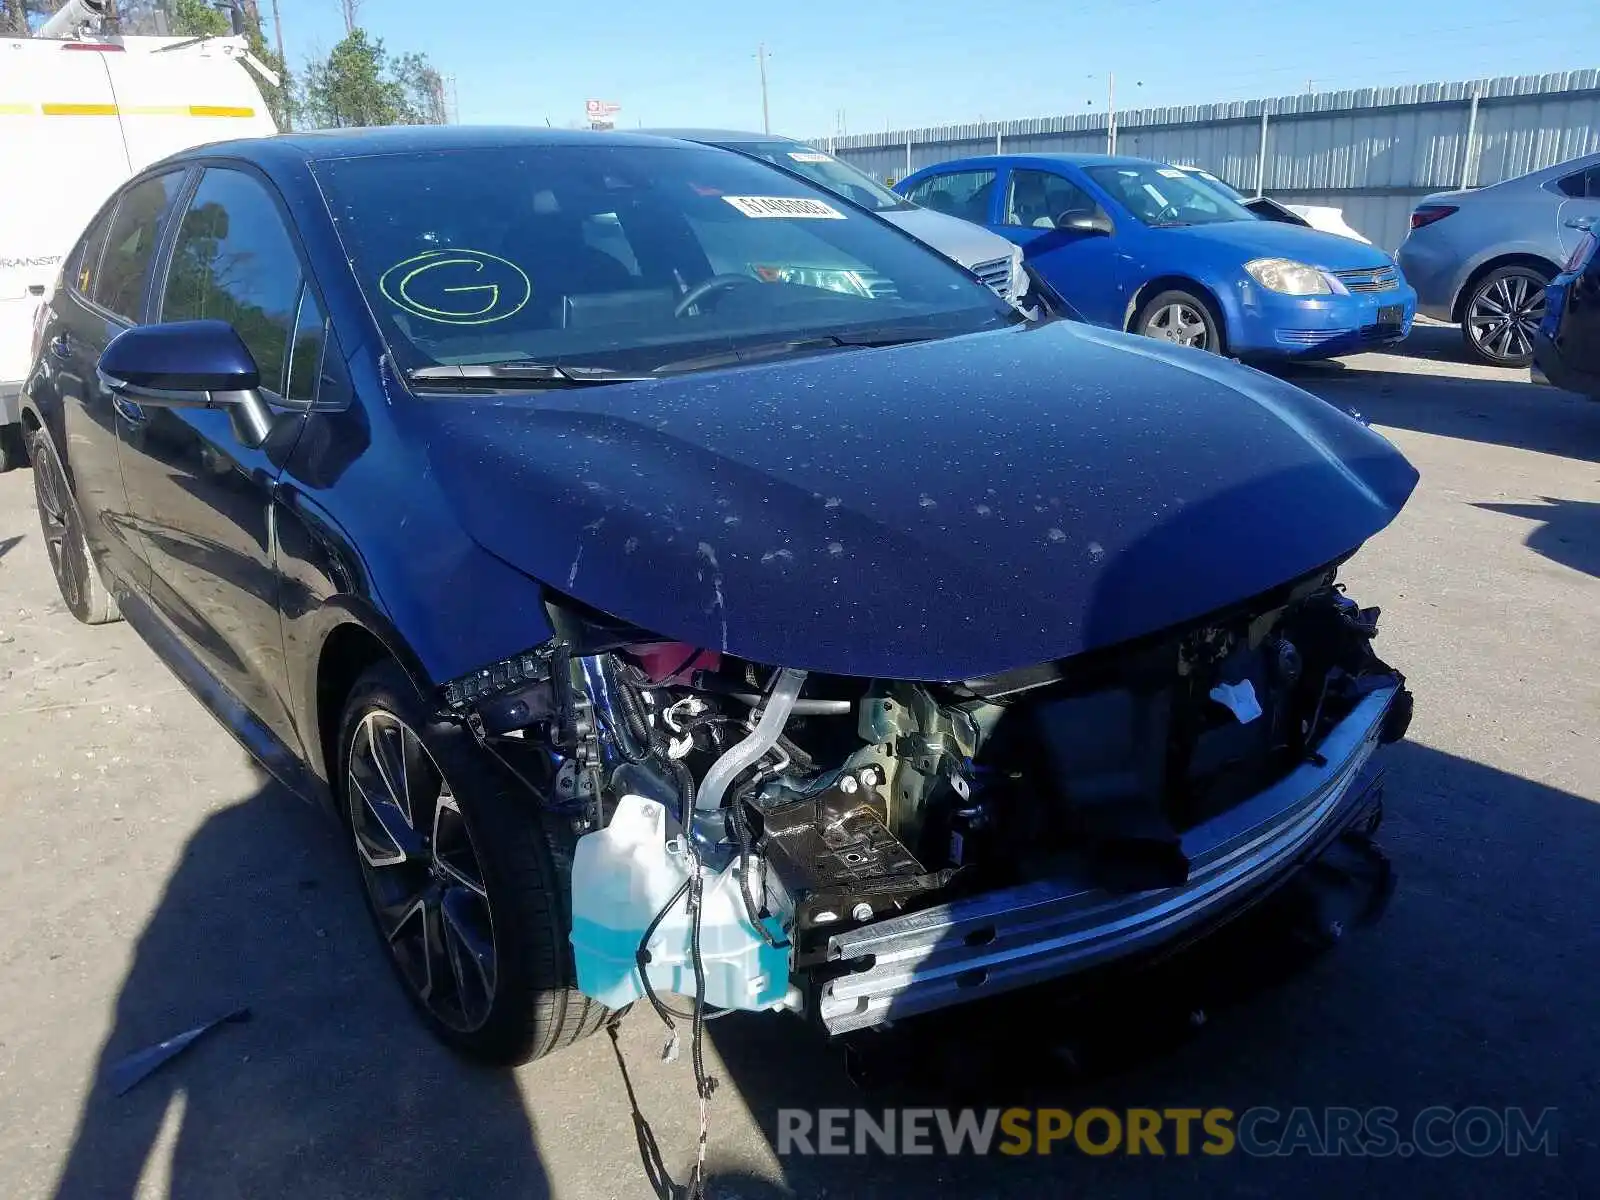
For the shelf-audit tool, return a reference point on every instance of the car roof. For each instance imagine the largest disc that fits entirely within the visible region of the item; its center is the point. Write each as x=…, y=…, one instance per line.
x=1069, y=160
x=319, y=145
x=718, y=136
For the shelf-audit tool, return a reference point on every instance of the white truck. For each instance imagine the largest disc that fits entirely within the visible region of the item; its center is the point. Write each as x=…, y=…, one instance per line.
x=79, y=116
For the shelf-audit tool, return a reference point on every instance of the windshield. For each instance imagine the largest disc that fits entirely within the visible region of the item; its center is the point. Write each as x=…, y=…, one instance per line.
x=1227, y=189
x=824, y=169
x=626, y=257
x=1164, y=196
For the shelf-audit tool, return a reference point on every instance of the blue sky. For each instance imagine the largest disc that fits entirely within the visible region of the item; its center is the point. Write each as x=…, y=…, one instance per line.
x=692, y=62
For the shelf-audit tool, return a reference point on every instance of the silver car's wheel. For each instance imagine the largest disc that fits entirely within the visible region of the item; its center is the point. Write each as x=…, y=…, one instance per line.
x=1182, y=319
x=1501, y=315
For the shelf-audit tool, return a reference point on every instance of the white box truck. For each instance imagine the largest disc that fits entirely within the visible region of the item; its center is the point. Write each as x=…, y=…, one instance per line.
x=78, y=117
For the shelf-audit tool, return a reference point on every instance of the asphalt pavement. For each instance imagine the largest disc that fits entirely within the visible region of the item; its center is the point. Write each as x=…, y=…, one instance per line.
x=152, y=879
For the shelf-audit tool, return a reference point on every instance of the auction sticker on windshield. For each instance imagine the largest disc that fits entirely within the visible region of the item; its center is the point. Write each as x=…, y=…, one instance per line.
x=785, y=206
x=808, y=156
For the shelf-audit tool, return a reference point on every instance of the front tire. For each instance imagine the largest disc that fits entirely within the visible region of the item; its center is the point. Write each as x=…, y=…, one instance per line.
x=77, y=578
x=1501, y=313
x=1181, y=318
x=464, y=878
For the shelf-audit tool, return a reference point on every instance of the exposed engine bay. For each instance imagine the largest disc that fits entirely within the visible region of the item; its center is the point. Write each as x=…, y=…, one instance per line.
x=834, y=803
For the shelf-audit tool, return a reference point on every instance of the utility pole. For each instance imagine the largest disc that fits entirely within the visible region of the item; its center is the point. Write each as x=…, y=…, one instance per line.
x=277, y=35
x=1111, y=112
x=761, y=59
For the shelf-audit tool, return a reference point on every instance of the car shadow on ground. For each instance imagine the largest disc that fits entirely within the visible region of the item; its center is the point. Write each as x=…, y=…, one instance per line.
x=1567, y=531
x=7, y=545
x=1504, y=412
x=1436, y=343
x=332, y=1088
x=1447, y=1001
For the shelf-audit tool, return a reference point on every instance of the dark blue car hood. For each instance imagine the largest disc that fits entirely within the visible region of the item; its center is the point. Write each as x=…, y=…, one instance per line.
x=937, y=511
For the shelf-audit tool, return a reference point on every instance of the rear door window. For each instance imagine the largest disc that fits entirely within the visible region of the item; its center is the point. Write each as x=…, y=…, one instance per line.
x=234, y=261
x=131, y=244
x=963, y=194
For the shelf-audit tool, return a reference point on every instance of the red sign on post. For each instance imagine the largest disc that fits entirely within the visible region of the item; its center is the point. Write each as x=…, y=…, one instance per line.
x=600, y=113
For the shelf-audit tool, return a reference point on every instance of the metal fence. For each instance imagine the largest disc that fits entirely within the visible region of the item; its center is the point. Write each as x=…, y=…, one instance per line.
x=1373, y=153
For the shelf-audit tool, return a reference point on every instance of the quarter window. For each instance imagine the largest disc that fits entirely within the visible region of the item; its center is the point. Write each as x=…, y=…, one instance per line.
x=234, y=261
x=86, y=267
x=135, y=229
x=1581, y=185
x=963, y=194
x=305, y=353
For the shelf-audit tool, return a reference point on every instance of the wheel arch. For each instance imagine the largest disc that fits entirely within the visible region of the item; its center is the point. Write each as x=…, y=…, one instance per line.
x=1513, y=259
x=1176, y=282
x=351, y=643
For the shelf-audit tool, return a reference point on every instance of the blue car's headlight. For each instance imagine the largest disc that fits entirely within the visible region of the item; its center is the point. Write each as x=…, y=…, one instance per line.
x=1289, y=278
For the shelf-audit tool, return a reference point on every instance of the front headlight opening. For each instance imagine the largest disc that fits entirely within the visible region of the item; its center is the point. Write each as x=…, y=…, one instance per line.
x=1288, y=278
x=1019, y=275
x=829, y=279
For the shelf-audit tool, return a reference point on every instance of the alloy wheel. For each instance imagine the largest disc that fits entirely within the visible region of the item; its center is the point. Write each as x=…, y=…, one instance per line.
x=422, y=872
x=1504, y=315
x=63, y=536
x=1179, y=323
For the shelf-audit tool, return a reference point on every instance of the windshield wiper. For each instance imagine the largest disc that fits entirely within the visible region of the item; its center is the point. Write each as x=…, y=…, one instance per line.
x=766, y=350
x=517, y=375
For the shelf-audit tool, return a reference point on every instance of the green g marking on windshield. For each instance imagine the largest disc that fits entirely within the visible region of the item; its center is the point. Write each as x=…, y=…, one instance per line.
x=457, y=287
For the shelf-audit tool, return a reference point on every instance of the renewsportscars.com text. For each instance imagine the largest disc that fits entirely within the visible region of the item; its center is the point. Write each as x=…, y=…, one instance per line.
x=1434, y=1132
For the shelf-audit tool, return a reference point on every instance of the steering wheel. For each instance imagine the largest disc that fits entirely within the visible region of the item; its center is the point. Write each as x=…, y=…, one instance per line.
x=705, y=287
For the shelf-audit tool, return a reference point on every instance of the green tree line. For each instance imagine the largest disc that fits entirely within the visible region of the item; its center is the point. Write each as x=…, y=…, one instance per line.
x=359, y=82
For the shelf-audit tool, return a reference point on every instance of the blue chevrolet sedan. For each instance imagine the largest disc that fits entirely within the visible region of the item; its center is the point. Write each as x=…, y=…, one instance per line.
x=1143, y=246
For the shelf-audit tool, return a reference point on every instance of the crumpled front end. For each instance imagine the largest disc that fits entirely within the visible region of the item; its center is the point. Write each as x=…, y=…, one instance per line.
x=899, y=847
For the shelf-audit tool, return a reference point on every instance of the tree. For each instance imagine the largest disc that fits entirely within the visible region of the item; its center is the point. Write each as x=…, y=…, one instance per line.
x=196, y=18
x=14, y=16
x=359, y=84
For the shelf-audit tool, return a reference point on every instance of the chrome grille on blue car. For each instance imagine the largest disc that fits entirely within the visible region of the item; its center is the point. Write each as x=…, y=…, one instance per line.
x=996, y=273
x=1371, y=279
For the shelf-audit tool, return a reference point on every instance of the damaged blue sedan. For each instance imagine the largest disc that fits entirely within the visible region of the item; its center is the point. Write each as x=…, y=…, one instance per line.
x=686, y=586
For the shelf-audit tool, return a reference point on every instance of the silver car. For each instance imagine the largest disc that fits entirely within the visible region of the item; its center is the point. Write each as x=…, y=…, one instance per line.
x=987, y=255
x=1481, y=258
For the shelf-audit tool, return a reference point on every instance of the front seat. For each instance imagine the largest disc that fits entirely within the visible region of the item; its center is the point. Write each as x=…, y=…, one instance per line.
x=551, y=248
x=1030, y=205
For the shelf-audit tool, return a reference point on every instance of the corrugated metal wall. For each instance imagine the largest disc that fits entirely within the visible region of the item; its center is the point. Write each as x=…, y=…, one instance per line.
x=1374, y=153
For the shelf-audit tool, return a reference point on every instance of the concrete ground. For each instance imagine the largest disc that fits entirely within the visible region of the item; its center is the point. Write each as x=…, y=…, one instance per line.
x=151, y=879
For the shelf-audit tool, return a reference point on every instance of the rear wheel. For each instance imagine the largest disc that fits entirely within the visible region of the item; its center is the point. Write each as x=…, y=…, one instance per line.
x=77, y=578
x=465, y=878
x=1181, y=318
x=13, y=448
x=1501, y=313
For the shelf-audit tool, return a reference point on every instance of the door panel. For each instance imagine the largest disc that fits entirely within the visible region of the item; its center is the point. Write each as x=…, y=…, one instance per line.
x=203, y=500
x=1087, y=268
x=105, y=295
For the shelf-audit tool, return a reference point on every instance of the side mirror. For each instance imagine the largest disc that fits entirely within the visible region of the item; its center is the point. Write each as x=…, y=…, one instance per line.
x=1082, y=222
x=189, y=364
